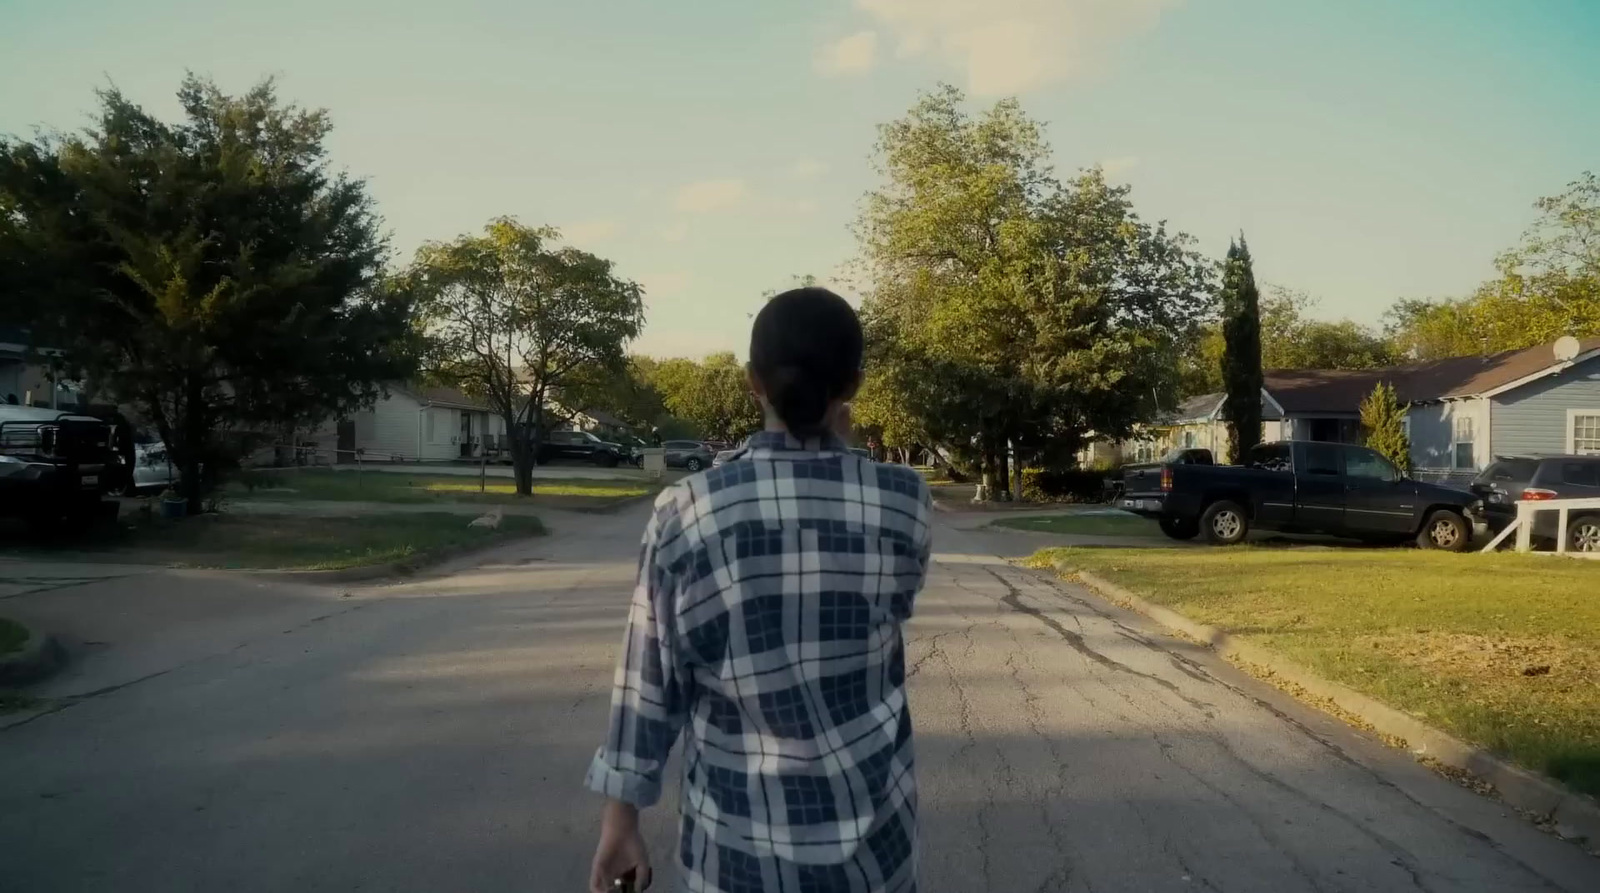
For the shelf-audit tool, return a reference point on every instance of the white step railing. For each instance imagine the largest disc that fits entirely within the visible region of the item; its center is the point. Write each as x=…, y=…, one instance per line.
x=1523, y=525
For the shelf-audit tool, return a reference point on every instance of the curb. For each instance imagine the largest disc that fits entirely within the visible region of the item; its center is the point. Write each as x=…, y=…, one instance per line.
x=40, y=656
x=1572, y=815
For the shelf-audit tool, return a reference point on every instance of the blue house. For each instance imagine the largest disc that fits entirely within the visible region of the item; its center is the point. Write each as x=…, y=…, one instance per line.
x=1461, y=411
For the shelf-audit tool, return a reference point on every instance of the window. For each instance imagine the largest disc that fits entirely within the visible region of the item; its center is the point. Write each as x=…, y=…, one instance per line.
x=1322, y=458
x=1583, y=432
x=1581, y=474
x=1360, y=463
x=1190, y=440
x=1462, y=444
x=1270, y=457
x=1507, y=470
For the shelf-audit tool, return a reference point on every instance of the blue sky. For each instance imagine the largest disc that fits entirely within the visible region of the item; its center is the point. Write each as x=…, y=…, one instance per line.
x=1370, y=149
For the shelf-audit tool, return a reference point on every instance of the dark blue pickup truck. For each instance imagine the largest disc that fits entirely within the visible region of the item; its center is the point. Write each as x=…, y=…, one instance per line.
x=1302, y=487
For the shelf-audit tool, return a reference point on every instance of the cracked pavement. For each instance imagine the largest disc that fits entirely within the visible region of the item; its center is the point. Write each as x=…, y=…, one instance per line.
x=433, y=736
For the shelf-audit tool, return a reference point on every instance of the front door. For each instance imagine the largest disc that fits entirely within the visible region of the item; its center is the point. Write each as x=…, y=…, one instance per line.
x=466, y=435
x=346, y=449
x=1319, y=488
x=1377, y=500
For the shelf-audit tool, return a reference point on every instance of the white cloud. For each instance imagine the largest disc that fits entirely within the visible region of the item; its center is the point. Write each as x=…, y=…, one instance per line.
x=807, y=169
x=804, y=206
x=664, y=285
x=580, y=234
x=1119, y=165
x=711, y=195
x=1009, y=46
x=854, y=54
x=676, y=232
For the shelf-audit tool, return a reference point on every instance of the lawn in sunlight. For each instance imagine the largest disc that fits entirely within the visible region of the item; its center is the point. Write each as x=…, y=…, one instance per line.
x=381, y=486
x=1501, y=650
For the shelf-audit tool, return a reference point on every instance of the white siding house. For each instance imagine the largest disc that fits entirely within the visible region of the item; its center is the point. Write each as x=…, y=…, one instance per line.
x=414, y=424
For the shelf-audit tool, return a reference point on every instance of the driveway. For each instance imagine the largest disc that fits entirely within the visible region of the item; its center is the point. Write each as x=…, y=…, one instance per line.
x=433, y=736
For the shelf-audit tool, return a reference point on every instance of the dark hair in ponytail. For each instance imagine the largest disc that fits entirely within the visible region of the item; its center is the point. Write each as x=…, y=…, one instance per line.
x=805, y=349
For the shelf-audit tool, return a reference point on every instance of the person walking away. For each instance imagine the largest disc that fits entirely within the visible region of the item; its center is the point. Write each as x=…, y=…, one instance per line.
x=767, y=627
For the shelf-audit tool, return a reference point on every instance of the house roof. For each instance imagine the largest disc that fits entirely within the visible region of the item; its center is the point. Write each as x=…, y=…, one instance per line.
x=601, y=417
x=447, y=397
x=1342, y=390
x=1195, y=409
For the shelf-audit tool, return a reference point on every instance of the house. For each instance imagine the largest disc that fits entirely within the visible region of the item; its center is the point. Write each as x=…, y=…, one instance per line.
x=1196, y=423
x=23, y=381
x=1461, y=412
x=413, y=424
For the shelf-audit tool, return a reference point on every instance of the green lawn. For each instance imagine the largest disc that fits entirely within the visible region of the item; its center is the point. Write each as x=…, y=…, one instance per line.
x=289, y=543
x=1501, y=650
x=12, y=636
x=382, y=486
x=1085, y=524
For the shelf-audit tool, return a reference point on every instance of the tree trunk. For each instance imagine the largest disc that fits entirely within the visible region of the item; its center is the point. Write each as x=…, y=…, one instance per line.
x=194, y=436
x=1016, y=477
x=1003, y=472
x=986, y=466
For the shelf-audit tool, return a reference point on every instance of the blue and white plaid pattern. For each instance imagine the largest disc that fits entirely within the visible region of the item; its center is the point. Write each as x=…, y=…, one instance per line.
x=768, y=616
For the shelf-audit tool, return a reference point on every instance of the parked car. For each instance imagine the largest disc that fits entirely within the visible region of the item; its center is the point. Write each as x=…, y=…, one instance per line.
x=152, y=467
x=1303, y=487
x=55, y=465
x=584, y=447
x=690, y=455
x=1538, y=478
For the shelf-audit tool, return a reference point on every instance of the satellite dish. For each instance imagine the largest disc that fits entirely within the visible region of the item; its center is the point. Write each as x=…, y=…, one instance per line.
x=1566, y=347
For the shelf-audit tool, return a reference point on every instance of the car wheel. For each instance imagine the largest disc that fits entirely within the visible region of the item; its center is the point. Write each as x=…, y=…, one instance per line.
x=1224, y=523
x=1445, y=531
x=1583, y=534
x=692, y=464
x=1179, y=528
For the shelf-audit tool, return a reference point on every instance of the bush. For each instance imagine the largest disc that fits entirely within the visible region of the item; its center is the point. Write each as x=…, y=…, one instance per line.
x=1071, y=485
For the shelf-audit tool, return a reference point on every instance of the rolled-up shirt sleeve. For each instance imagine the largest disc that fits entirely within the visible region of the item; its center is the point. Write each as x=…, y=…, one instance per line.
x=650, y=692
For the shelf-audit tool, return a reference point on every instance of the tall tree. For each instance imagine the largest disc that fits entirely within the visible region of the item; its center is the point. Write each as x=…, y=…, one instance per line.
x=713, y=395
x=1290, y=339
x=1008, y=311
x=1547, y=287
x=1241, y=353
x=511, y=319
x=215, y=273
x=1384, y=421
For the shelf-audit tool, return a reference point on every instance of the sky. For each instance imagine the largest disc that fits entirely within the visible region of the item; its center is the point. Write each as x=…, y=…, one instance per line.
x=717, y=149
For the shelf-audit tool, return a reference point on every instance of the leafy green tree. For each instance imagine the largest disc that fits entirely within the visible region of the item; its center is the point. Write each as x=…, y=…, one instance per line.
x=1241, y=353
x=215, y=273
x=1384, y=421
x=712, y=395
x=1008, y=311
x=1547, y=287
x=512, y=319
x=1290, y=339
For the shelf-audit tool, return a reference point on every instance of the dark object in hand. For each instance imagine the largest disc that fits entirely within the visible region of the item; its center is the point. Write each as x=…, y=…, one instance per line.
x=624, y=884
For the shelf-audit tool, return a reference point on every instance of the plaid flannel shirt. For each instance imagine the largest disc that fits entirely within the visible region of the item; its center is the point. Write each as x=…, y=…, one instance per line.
x=767, y=617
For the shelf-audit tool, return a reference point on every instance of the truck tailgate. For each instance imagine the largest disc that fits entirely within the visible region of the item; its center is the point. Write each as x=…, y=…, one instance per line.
x=1142, y=479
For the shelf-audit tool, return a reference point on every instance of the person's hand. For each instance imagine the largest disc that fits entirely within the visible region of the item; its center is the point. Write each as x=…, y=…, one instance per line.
x=621, y=850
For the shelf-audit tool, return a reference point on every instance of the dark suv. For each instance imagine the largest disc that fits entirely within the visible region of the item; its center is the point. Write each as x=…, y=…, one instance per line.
x=690, y=455
x=55, y=465
x=584, y=447
x=1535, y=478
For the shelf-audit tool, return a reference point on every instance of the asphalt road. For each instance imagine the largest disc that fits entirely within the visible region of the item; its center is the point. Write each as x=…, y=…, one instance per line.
x=433, y=736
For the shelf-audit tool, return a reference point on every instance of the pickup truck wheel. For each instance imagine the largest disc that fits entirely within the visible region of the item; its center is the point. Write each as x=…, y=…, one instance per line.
x=1224, y=523
x=1583, y=534
x=1179, y=528
x=1446, y=531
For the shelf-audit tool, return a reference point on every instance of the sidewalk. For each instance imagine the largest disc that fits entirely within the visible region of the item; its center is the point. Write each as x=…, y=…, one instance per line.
x=338, y=508
x=541, y=472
